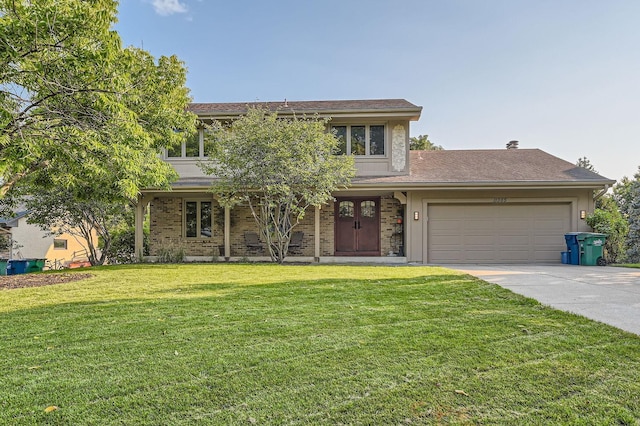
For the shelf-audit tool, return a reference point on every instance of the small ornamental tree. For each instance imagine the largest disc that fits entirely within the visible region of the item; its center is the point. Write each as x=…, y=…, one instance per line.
x=88, y=221
x=279, y=167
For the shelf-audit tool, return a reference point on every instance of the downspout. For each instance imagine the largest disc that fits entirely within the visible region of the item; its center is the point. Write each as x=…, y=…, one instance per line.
x=601, y=193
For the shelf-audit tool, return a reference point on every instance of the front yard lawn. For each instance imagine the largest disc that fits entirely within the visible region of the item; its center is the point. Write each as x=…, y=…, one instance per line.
x=629, y=265
x=269, y=344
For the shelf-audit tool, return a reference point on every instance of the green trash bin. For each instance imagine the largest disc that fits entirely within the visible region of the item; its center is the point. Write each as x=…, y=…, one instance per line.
x=592, y=247
x=35, y=265
x=3, y=266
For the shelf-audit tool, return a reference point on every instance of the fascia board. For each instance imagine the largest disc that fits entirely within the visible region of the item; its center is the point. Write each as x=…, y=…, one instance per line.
x=409, y=114
x=482, y=185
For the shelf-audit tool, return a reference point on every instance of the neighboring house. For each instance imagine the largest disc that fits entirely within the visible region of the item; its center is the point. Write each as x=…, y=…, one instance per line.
x=476, y=206
x=29, y=241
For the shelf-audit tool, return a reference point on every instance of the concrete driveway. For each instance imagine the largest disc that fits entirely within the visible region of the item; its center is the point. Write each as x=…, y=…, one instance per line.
x=607, y=294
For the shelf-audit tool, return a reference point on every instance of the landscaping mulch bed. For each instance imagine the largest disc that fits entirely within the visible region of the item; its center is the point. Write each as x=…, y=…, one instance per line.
x=38, y=280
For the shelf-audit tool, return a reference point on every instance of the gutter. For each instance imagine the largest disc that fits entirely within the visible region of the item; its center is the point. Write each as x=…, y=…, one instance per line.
x=411, y=115
x=205, y=184
x=601, y=193
x=480, y=185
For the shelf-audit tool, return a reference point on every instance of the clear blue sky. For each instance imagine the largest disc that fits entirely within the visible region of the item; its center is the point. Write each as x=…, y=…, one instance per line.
x=559, y=75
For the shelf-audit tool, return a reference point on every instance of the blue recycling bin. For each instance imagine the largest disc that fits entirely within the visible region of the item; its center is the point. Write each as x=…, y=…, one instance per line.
x=17, y=266
x=573, y=247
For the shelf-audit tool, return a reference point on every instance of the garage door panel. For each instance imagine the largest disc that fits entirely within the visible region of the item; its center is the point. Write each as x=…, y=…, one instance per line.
x=473, y=233
x=478, y=226
x=513, y=240
x=513, y=225
x=478, y=241
x=448, y=240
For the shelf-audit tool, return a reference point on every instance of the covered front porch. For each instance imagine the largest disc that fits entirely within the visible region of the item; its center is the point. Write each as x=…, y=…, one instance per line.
x=355, y=227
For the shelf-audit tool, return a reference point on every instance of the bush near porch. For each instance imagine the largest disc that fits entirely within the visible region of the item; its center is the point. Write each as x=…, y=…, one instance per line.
x=270, y=344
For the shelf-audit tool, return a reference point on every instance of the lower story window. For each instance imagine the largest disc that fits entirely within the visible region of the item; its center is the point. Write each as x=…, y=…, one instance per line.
x=198, y=215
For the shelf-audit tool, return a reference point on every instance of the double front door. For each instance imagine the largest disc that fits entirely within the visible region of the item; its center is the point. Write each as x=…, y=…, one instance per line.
x=357, y=226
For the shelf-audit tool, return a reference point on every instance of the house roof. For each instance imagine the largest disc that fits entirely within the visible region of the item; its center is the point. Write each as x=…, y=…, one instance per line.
x=489, y=167
x=473, y=168
x=10, y=222
x=371, y=107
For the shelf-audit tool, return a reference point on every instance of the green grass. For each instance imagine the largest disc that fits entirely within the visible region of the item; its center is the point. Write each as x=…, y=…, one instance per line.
x=269, y=344
x=629, y=265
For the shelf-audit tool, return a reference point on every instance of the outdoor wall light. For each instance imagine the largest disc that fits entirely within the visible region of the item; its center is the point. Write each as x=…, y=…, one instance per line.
x=416, y=215
x=583, y=214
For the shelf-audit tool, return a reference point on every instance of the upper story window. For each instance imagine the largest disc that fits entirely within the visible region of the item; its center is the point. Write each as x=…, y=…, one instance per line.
x=193, y=147
x=360, y=139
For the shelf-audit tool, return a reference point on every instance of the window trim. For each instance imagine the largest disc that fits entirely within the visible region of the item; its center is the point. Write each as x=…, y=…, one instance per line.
x=198, y=202
x=183, y=148
x=367, y=136
x=64, y=240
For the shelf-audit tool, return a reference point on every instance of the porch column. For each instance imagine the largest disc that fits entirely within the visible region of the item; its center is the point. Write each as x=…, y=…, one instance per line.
x=138, y=245
x=227, y=233
x=316, y=253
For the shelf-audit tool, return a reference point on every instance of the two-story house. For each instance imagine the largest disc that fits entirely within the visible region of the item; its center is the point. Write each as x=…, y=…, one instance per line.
x=452, y=206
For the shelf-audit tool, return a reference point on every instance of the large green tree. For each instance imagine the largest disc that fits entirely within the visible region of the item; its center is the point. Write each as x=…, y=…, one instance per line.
x=77, y=109
x=279, y=167
x=585, y=163
x=423, y=143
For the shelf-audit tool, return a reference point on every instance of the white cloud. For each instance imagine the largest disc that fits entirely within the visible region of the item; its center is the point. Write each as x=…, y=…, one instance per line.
x=169, y=7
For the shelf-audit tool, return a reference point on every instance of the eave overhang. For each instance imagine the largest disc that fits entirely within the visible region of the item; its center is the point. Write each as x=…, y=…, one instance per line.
x=205, y=184
x=495, y=185
x=409, y=114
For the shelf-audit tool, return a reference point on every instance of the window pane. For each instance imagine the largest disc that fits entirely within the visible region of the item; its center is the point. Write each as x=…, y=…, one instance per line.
x=358, y=141
x=368, y=209
x=191, y=218
x=345, y=209
x=376, y=140
x=60, y=244
x=193, y=145
x=174, y=151
x=208, y=142
x=205, y=219
x=341, y=134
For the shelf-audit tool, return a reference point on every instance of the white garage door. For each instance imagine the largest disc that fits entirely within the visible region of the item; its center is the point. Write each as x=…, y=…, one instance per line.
x=521, y=233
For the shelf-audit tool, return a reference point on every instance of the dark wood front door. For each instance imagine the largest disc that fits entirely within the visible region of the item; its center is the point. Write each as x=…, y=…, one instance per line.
x=357, y=226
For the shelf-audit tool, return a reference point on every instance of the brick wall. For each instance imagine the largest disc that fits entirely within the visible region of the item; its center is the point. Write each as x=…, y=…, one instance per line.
x=391, y=235
x=167, y=229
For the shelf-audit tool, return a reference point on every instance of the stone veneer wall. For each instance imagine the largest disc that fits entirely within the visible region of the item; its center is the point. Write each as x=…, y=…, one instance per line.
x=166, y=229
x=167, y=225
x=391, y=233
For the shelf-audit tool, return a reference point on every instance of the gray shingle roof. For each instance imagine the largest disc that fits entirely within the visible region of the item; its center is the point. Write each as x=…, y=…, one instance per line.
x=309, y=107
x=489, y=167
x=13, y=220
